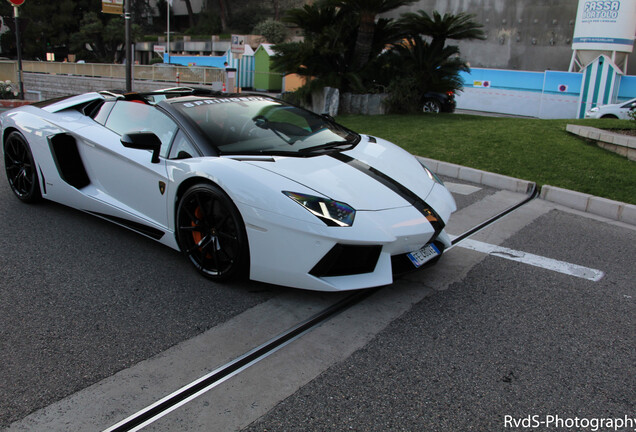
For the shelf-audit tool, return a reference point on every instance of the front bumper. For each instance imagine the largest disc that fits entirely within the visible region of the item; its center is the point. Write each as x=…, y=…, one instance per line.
x=286, y=251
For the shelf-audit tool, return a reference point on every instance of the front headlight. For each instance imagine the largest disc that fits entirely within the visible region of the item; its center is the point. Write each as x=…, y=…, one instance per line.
x=593, y=110
x=333, y=213
x=430, y=173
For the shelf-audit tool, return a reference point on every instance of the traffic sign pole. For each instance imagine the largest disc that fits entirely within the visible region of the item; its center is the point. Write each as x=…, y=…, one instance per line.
x=237, y=47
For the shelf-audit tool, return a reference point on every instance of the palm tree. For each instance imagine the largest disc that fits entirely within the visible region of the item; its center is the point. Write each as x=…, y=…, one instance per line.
x=437, y=68
x=313, y=18
x=367, y=11
x=439, y=28
x=423, y=68
x=324, y=54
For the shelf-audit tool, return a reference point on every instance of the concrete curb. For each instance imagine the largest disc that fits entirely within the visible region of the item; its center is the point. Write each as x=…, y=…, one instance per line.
x=610, y=209
x=598, y=206
x=623, y=145
x=476, y=176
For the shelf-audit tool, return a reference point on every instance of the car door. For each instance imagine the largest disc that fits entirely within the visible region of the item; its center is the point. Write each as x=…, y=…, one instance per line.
x=126, y=177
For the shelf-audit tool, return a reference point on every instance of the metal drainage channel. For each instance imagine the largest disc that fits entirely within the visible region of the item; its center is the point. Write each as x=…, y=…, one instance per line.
x=195, y=389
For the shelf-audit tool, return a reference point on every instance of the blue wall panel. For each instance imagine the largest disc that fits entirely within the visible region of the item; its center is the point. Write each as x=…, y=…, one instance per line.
x=505, y=79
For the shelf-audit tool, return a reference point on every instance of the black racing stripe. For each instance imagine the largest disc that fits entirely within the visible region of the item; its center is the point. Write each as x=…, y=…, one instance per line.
x=417, y=202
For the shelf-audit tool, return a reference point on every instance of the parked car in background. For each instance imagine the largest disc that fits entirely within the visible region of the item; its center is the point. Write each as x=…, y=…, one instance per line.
x=435, y=102
x=615, y=111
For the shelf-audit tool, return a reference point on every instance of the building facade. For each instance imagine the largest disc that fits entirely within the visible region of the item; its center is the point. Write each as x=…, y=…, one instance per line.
x=533, y=35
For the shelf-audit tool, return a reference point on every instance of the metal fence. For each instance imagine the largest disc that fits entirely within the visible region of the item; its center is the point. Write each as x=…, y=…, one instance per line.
x=157, y=72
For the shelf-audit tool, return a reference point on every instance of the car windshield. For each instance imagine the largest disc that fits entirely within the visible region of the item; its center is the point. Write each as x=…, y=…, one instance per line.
x=259, y=125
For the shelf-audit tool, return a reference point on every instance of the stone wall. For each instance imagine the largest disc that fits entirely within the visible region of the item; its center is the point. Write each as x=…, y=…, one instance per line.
x=368, y=104
x=533, y=35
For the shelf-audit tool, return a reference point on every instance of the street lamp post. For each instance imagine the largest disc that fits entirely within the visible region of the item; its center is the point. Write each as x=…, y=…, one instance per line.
x=168, y=3
x=129, y=59
x=16, y=16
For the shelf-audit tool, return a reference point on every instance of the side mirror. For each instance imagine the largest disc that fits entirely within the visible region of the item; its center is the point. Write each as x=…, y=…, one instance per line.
x=143, y=141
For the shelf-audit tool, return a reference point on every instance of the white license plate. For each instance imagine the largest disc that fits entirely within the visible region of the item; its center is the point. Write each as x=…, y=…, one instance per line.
x=422, y=256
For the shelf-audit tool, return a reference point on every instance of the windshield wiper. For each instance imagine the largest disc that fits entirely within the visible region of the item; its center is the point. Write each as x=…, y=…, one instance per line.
x=326, y=148
x=263, y=123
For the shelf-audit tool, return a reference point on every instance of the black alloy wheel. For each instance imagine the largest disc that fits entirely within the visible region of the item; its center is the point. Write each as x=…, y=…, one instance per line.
x=211, y=233
x=431, y=106
x=20, y=168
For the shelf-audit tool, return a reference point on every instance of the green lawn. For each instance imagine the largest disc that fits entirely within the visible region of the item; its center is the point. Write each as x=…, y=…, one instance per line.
x=532, y=149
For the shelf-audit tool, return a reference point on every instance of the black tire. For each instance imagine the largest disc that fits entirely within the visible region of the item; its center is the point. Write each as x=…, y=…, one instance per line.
x=20, y=167
x=431, y=106
x=211, y=233
x=609, y=116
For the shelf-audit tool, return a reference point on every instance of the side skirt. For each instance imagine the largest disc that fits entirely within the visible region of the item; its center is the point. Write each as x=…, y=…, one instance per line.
x=146, y=230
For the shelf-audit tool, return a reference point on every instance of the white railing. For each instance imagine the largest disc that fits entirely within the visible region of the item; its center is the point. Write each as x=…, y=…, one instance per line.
x=157, y=72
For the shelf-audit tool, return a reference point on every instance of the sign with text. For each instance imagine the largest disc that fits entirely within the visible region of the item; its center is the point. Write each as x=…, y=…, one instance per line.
x=607, y=25
x=113, y=6
x=238, y=44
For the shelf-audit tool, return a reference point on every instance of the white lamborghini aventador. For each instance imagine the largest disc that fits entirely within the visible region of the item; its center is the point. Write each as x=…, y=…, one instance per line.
x=244, y=185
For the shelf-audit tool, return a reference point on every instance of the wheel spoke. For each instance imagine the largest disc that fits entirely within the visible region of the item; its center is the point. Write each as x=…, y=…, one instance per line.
x=215, y=257
x=227, y=235
x=203, y=206
x=204, y=246
x=191, y=228
x=228, y=257
x=189, y=214
x=209, y=232
x=198, y=245
x=11, y=159
x=223, y=221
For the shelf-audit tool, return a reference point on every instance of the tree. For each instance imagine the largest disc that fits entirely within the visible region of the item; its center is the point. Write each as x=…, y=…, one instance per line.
x=141, y=11
x=440, y=28
x=330, y=33
x=337, y=52
x=273, y=31
x=101, y=38
x=223, y=14
x=423, y=67
x=313, y=18
x=56, y=26
x=191, y=18
x=324, y=54
x=207, y=24
x=367, y=12
x=41, y=34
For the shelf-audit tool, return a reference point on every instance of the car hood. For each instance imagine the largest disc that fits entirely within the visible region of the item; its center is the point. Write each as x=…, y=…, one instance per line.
x=615, y=106
x=357, y=177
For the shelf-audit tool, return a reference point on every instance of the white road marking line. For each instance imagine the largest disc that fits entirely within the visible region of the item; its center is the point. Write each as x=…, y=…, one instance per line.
x=533, y=260
x=461, y=189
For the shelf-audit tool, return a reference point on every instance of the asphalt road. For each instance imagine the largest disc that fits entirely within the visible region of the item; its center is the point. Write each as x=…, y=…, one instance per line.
x=82, y=299
x=97, y=322
x=508, y=339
